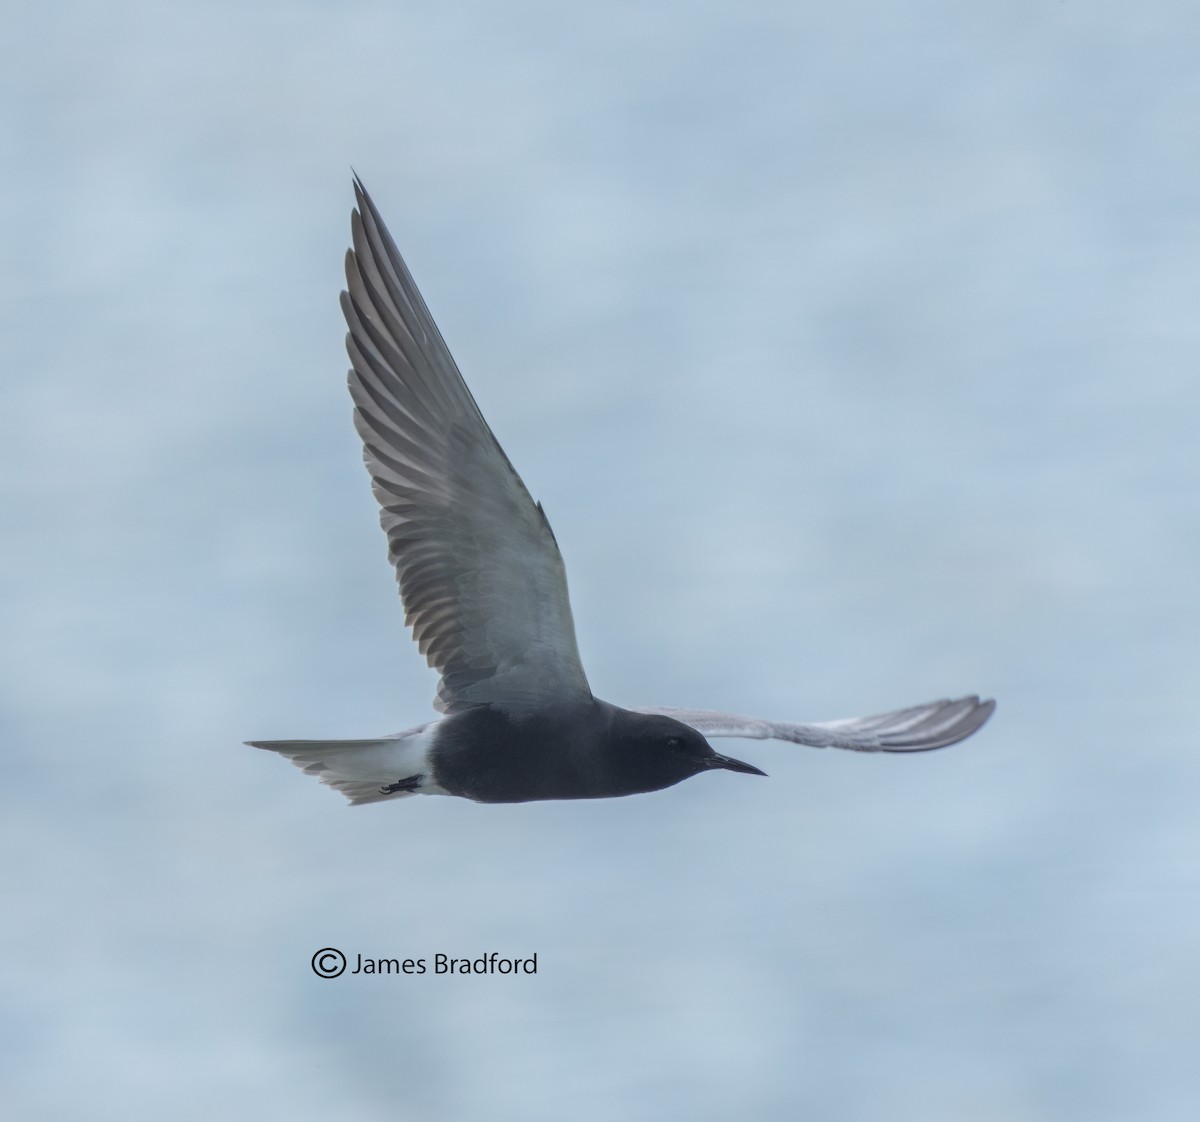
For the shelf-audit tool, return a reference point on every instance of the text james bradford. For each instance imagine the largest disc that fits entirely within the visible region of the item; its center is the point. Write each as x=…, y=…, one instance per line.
x=444, y=964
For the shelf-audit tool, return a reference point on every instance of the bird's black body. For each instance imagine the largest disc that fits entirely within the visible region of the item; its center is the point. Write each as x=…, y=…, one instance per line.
x=588, y=751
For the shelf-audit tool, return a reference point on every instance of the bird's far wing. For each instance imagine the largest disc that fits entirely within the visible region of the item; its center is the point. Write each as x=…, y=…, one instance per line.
x=480, y=574
x=917, y=729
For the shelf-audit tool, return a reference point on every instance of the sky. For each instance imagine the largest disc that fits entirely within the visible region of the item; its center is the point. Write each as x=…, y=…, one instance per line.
x=851, y=350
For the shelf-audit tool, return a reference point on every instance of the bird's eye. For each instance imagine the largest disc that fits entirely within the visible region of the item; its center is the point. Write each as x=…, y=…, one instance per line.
x=674, y=742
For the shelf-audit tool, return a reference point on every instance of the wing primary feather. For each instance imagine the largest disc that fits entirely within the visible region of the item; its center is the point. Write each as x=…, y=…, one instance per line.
x=480, y=574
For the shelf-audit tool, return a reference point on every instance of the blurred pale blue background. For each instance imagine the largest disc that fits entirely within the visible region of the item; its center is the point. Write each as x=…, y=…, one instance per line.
x=852, y=350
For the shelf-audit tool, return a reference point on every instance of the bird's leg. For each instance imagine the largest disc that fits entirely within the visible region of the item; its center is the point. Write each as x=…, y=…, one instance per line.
x=411, y=783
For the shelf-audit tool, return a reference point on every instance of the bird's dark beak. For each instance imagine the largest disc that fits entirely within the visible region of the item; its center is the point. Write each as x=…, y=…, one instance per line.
x=730, y=764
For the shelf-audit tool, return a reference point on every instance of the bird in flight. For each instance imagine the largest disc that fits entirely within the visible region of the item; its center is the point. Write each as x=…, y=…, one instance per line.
x=485, y=594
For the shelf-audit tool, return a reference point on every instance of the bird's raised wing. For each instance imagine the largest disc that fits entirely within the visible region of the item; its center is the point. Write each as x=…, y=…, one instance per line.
x=480, y=574
x=917, y=729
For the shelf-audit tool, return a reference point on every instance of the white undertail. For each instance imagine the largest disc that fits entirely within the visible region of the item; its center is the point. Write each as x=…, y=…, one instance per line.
x=364, y=770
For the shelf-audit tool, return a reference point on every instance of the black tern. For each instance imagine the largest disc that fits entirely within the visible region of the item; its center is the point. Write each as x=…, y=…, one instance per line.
x=485, y=594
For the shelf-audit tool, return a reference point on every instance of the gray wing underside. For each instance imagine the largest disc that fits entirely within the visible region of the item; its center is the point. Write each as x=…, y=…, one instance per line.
x=480, y=574
x=917, y=729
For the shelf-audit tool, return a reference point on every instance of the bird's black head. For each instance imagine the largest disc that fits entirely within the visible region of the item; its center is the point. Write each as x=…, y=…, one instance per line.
x=654, y=751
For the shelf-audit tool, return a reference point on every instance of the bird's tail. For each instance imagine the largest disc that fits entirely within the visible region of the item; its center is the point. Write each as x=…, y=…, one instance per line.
x=365, y=771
